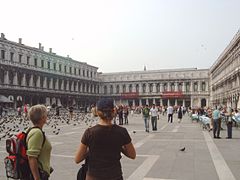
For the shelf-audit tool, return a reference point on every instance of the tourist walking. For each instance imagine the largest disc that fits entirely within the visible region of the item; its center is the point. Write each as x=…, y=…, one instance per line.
x=216, y=123
x=103, y=144
x=154, y=114
x=170, y=113
x=145, y=113
x=229, y=122
x=120, y=115
x=180, y=113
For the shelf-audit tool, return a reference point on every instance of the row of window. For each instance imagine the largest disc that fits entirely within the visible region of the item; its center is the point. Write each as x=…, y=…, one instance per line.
x=49, y=65
x=165, y=88
x=72, y=85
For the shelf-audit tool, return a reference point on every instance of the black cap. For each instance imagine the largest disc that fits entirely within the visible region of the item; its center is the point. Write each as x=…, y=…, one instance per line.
x=105, y=104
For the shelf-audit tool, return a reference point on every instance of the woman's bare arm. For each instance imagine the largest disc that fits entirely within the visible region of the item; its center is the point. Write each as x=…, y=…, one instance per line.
x=129, y=151
x=33, y=163
x=81, y=153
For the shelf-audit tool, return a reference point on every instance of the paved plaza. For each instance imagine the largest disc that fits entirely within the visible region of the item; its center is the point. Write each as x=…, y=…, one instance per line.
x=158, y=155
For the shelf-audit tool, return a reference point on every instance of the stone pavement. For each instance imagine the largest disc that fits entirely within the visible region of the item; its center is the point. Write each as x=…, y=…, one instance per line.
x=158, y=155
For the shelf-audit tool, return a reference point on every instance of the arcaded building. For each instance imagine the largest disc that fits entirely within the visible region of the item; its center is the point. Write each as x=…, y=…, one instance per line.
x=225, y=76
x=187, y=87
x=31, y=75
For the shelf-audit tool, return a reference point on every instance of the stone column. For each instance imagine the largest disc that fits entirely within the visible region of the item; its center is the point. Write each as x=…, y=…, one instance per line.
x=154, y=101
x=31, y=81
x=62, y=85
x=161, y=87
x=199, y=86
x=38, y=81
x=168, y=86
x=134, y=102
x=6, y=77
x=51, y=83
x=183, y=86
x=191, y=102
x=15, y=79
x=140, y=88
x=45, y=82
x=168, y=102
x=134, y=87
x=183, y=102
x=175, y=102
x=191, y=86
x=176, y=86
x=147, y=102
x=23, y=80
x=121, y=88
x=154, y=88
x=147, y=88
x=72, y=88
x=67, y=88
x=56, y=84
x=77, y=86
x=161, y=102
x=140, y=102
x=206, y=84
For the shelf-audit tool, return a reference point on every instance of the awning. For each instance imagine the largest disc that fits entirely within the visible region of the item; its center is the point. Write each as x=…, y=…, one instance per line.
x=4, y=99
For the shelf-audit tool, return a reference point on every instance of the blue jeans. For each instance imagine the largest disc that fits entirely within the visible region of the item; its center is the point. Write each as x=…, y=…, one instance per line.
x=146, y=122
x=154, y=123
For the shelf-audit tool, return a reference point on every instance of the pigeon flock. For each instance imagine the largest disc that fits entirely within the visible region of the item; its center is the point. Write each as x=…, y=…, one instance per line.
x=12, y=124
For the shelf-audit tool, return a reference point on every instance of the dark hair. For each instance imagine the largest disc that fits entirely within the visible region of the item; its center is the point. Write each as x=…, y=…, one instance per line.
x=106, y=114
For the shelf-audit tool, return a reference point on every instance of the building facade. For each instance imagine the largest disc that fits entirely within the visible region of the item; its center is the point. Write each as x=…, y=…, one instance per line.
x=30, y=75
x=225, y=76
x=187, y=87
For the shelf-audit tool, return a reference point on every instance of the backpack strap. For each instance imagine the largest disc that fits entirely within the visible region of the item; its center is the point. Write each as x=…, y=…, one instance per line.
x=35, y=127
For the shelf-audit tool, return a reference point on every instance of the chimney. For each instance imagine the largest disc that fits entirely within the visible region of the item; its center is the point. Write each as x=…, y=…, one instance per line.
x=50, y=50
x=42, y=48
x=39, y=46
x=20, y=40
x=67, y=56
x=2, y=36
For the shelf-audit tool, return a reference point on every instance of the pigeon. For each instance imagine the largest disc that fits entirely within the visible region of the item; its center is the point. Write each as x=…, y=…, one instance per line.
x=182, y=149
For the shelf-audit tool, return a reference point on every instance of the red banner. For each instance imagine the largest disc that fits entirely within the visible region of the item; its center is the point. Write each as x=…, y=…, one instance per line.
x=130, y=95
x=172, y=94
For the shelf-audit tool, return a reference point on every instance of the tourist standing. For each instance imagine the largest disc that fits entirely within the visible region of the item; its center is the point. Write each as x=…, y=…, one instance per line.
x=229, y=122
x=154, y=114
x=103, y=145
x=216, y=123
x=180, y=113
x=170, y=113
x=145, y=113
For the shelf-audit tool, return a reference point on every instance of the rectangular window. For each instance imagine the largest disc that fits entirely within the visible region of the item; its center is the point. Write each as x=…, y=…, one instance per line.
x=70, y=70
x=60, y=67
x=35, y=61
x=79, y=71
x=20, y=58
x=2, y=54
x=65, y=69
x=11, y=56
x=28, y=59
x=49, y=65
x=42, y=63
x=75, y=71
x=83, y=73
x=54, y=66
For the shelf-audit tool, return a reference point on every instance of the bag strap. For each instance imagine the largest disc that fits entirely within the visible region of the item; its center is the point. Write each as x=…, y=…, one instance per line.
x=35, y=127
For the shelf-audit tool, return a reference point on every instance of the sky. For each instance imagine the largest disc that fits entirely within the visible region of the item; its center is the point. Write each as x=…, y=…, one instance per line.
x=125, y=35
